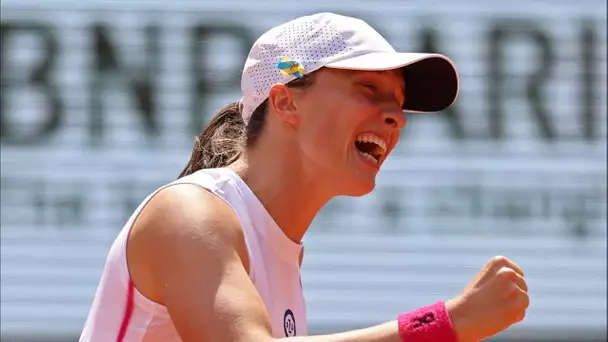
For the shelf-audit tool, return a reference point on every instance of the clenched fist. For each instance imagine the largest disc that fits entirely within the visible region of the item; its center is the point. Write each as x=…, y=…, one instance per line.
x=496, y=299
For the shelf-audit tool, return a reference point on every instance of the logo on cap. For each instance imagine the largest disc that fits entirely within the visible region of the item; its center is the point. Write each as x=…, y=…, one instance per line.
x=287, y=66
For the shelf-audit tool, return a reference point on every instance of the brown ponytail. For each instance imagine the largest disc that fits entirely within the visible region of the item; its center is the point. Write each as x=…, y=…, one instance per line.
x=221, y=142
x=224, y=139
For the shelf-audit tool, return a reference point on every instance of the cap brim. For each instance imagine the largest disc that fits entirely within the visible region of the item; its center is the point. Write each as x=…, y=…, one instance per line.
x=431, y=80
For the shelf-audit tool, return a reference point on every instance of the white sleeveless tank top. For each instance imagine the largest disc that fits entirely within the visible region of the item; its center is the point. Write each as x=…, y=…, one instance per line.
x=121, y=313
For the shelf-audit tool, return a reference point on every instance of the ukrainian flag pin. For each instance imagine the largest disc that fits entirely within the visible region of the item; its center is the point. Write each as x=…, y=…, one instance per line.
x=287, y=66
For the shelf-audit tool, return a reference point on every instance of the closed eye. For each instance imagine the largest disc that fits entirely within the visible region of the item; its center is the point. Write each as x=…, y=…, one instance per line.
x=370, y=86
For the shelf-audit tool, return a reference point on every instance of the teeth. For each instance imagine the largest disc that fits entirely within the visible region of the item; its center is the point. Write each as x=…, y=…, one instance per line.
x=372, y=138
x=369, y=156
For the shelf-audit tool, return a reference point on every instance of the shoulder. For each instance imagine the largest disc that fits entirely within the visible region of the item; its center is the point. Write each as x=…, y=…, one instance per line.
x=185, y=211
x=182, y=228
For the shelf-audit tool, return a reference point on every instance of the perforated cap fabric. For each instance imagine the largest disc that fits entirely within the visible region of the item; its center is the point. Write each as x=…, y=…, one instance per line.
x=305, y=44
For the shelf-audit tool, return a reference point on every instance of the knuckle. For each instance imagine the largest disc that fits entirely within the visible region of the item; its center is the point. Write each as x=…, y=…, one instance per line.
x=519, y=300
x=499, y=260
x=513, y=294
x=521, y=270
x=525, y=301
x=506, y=274
x=520, y=315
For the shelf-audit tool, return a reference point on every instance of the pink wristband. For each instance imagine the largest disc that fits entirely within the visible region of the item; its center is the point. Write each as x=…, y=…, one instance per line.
x=428, y=324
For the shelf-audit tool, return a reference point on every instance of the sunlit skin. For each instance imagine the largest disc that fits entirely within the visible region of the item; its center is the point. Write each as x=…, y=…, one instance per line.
x=307, y=155
x=188, y=252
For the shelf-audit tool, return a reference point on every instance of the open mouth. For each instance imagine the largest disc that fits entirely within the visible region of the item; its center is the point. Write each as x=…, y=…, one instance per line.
x=370, y=146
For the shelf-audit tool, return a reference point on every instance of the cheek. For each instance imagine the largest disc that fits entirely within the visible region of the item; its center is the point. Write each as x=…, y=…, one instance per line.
x=323, y=134
x=330, y=122
x=318, y=117
x=322, y=138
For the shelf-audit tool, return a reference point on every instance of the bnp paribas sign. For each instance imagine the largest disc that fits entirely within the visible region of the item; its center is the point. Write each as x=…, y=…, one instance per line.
x=97, y=85
x=175, y=63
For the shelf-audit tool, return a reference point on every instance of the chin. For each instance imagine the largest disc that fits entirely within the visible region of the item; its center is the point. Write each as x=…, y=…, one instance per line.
x=360, y=188
x=352, y=182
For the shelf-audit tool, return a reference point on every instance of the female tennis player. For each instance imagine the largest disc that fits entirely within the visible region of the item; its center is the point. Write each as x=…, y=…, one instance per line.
x=215, y=255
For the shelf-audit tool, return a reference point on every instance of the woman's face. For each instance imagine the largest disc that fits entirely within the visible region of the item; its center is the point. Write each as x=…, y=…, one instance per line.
x=349, y=122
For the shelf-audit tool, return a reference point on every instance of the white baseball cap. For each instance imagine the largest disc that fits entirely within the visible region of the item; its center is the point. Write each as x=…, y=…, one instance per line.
x=329, y=40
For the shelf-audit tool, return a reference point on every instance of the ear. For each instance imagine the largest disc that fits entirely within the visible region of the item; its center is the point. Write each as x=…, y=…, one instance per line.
x=282, y=103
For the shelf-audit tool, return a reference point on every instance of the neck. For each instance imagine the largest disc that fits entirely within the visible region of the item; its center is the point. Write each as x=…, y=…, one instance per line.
x=291, y=198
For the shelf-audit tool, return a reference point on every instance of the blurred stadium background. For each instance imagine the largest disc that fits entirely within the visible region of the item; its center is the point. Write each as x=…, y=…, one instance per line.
x=100, y=102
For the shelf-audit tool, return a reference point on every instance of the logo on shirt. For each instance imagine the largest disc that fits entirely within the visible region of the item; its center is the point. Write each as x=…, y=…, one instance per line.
x=289, y=324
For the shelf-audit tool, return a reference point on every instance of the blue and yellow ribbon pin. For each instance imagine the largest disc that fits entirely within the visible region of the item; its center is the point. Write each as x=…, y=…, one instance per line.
x=287, y=66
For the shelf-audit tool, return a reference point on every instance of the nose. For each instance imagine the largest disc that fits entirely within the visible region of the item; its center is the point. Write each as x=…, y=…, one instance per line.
x=395, y=118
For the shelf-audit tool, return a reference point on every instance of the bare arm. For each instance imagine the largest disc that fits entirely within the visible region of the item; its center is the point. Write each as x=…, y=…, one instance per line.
x=387, y=332
x=187, y=252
